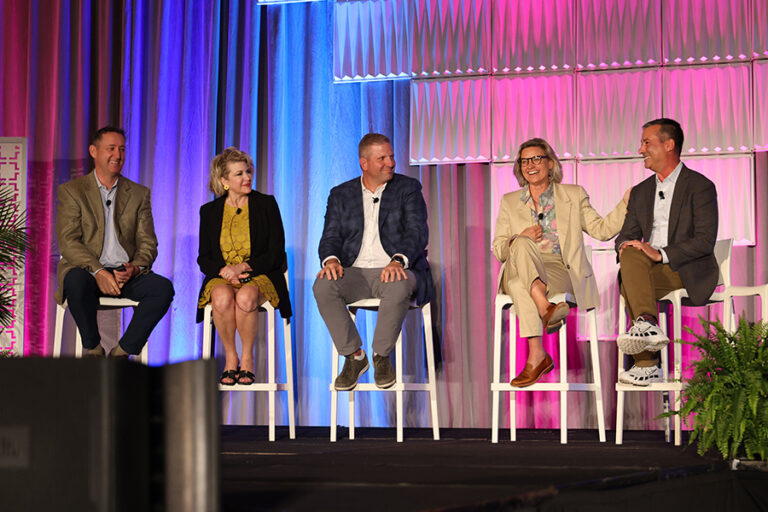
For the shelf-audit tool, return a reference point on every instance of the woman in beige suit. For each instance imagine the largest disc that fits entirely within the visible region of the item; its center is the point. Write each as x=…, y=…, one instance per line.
x=539, y=241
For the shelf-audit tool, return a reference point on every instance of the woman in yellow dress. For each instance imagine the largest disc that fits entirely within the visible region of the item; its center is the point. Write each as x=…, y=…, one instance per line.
x=242, y=254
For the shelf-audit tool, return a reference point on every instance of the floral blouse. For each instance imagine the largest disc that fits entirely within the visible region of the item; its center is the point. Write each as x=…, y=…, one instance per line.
x=549, y=241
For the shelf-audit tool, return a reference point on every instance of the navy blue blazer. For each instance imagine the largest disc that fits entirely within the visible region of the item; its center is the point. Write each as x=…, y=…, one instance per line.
x=267, y=244
x=692, y=229
x=402, y=227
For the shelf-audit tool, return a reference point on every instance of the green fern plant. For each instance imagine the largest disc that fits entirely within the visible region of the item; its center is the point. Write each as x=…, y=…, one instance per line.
x=726, y=400
x=14, y=243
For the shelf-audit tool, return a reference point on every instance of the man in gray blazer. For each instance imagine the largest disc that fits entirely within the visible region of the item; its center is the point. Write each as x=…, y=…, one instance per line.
x=107, y=242
x=667, y=242
x=373, y=245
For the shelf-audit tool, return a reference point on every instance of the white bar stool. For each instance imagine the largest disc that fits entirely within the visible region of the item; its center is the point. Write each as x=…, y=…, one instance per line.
x=271, y=386
x=105, y=303
x=399, y=386
x=677, y=298
x=504, y=302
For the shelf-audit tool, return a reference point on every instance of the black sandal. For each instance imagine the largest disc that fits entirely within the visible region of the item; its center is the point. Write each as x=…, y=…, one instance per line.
x=228, y=374
x=245, y=374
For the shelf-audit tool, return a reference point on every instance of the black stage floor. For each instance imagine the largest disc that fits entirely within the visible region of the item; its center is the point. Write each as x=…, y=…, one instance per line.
x=465, y=471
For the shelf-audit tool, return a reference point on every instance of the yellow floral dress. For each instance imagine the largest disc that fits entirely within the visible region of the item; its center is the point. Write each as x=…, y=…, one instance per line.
x=235, y=243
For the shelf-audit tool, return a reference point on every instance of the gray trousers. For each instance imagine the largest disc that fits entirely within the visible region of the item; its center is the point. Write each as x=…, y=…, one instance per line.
x=363, y=283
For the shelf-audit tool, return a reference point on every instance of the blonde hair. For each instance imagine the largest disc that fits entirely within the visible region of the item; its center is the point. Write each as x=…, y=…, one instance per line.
x=555, y=175
x=220, y=167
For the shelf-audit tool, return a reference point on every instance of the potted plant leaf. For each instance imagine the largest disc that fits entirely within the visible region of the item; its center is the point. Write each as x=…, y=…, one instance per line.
x=726, y=400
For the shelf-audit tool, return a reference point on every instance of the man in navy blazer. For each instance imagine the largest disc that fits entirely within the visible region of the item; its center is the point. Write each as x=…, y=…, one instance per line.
x=667, y=242
x=373, y=245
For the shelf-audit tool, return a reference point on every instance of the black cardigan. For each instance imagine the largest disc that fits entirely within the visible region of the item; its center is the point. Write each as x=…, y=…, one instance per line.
x=267, y=244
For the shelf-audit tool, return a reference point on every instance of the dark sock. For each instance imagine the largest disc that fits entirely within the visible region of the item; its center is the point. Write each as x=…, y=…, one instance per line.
x=649, y=318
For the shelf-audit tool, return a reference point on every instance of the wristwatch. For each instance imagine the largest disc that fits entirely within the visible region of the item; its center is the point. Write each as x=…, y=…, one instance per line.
x=399, y=259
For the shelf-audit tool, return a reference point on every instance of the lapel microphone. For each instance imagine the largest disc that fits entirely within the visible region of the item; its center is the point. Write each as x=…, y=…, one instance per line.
x=661, y=195
x=540, y=217
x=237, y=212
x=375, y=200
x=109, y=202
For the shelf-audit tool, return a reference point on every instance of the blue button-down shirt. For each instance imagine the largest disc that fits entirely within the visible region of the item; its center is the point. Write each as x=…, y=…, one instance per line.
x=112, y=253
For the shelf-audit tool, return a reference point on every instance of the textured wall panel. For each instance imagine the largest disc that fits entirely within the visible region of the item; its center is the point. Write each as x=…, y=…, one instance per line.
x=733, y=179
x=611, y=108
x=712, y=103
x=532, y=106
x=532, y=36
x=620, y=174
x=450, y=120
x=450, y=37
x=761, y=104
x=618, y=33
x=706, y=30
x=370, y=40
x=760, y=30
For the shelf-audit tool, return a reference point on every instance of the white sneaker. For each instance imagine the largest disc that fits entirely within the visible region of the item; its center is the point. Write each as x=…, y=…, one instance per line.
x=642, y=336
x=641, y=375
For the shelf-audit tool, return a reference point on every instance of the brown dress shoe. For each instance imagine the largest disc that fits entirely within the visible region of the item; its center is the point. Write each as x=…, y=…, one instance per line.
x=97, y=351
x=118, y=352
x=553, y=318
x=531, y=375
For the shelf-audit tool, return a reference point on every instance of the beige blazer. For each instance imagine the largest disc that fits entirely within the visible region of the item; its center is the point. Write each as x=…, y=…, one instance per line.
x=574, y=215
x=80, y=225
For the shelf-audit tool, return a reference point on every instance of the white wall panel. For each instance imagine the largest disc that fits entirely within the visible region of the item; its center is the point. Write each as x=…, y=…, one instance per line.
x=733, y=179
x=611, y=107
x=706, y=30
x=450, y=120
x=618, y=33
x=450, y=37
x=370, y=40
x=760, y=30
x=760, y=69
x=712, y=103
x=532, y=106
x=533, y=36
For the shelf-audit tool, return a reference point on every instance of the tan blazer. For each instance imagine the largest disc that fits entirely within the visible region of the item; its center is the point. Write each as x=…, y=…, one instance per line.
x=80, y=225
x=574, y=214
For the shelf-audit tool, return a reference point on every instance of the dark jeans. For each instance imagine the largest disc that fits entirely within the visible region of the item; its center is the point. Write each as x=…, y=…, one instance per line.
x=154, y=294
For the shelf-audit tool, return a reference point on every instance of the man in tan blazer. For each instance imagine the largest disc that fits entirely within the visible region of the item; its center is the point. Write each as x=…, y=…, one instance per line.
x=107, y=242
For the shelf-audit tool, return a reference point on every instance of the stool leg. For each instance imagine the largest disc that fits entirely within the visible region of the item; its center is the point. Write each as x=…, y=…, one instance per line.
x=619, y=417
x=351, y=413
x=563, y=380
x=496, y=378
x=271, y=371
x=287, y=338
x=399, y=384
x=59, y=330
x=429, y=348
x=512, y=370
x=596, y=377
x=334, y=393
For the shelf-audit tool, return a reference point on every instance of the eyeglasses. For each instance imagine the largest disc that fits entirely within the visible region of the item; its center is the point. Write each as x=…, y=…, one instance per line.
x=534, y=159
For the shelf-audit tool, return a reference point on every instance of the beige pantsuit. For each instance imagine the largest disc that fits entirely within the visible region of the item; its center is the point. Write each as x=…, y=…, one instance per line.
x=569, y=272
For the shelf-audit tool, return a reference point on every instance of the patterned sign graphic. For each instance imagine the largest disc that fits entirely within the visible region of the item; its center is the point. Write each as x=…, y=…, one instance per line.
x=13, y=174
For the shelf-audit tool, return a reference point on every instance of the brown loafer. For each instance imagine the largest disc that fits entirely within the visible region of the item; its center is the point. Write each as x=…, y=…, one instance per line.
x=531, y=375
x=553, y=318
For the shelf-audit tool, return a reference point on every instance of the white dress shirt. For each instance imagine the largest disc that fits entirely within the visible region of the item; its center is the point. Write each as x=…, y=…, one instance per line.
x=112, y=253
x=661, y=206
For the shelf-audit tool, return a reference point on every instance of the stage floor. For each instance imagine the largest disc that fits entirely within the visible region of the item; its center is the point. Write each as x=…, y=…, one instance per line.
x=464, y=471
